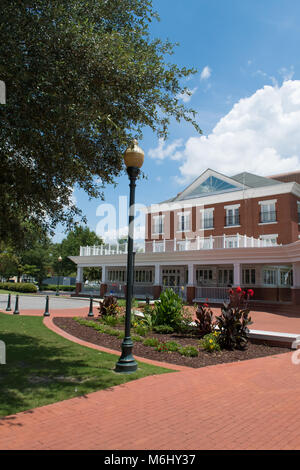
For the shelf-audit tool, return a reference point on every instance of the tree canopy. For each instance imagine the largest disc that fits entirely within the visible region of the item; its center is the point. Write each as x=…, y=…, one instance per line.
x=83, y=78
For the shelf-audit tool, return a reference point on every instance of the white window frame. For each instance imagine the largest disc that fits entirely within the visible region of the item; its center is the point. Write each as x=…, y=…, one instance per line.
x=158, y=221
x=207, y=214
x=269, y=203
x=186, y=223
x=232, y=208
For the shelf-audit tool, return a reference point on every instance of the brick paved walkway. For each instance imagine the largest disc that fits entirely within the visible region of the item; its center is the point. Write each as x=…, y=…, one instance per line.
x=245, y=405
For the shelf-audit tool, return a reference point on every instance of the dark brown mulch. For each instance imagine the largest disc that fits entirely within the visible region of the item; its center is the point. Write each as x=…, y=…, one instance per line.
x=204, y=358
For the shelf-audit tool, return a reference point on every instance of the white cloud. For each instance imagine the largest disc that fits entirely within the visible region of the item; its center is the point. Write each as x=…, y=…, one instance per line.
x=206, y=73
x=187, y=96
x=260, y=134
x=163, y=151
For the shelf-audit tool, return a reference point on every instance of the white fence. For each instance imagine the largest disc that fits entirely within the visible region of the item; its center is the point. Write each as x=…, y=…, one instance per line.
x=212, y=294
x=163, y=246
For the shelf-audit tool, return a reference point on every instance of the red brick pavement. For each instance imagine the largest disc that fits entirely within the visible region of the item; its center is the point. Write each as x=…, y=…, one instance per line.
x=245, y=405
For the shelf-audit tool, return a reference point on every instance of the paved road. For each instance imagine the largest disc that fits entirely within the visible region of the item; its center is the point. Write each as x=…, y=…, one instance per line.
x=31, y=302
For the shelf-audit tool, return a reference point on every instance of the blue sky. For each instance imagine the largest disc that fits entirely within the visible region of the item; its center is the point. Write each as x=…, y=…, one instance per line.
x=246, y=91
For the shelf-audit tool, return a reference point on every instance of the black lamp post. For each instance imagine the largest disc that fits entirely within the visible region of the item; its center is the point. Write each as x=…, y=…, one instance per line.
x=59, y=259
x=134, y=158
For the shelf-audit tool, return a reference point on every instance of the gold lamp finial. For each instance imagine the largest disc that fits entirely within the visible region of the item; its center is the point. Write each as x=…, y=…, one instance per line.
x=134, y=155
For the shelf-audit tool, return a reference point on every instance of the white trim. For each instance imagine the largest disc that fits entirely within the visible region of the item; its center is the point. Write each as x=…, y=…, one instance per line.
x=251, y=193
x=180, y=214
x=270, y=201
x=233, y=206
x=231, y=226
x=267, y=223
x=269, y=235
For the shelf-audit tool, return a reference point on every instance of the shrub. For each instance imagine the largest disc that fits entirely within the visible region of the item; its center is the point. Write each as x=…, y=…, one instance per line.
x=234, y=320
x=172, y=346
x=137, y=338
x=109, y=306
x=210, y=342
x=204, y=320
x=141, y=330
x=25, y=287
x=53, y=287
x=189, y=351
x=169, y=311
x=149, y=318
x=111, y=320
x=163, y=329
x=153, y=342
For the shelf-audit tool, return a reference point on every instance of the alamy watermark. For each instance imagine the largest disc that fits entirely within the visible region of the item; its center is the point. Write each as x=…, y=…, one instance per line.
x=2, y=352
x=2, y=92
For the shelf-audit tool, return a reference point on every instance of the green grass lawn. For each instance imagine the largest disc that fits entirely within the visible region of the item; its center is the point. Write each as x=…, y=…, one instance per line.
x=42, y=367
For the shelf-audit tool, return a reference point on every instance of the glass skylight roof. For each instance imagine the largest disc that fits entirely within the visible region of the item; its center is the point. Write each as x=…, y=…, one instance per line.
x=210, y=186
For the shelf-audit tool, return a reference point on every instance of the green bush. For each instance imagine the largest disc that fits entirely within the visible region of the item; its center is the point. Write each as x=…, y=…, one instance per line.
x=110, y=320
x=169, y=311
x=53, y=287
x=163, y=329
x=172, y=346
x=210, y=342
x=24, y=287
x=141, y=330
x=189, y=351
x=153, y=342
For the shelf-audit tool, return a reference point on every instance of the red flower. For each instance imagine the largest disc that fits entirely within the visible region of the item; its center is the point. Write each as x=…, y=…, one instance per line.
x=250, y=292
x=244, y=293
x=230, y=291
x=238, y=289
x=205, y=305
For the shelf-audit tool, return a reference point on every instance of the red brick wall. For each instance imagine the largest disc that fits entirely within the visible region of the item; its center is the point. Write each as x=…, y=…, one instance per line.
x=287, y=226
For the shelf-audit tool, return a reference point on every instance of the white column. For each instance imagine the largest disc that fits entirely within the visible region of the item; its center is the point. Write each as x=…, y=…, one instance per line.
x=174, y=244
x=157, y=275
x=190, y=274
x=296, y=275
x=236, y=274
x=79, y=277
x=103, y=279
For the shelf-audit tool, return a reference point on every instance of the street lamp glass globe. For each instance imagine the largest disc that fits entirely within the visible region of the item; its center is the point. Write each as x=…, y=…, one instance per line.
x=134, y=156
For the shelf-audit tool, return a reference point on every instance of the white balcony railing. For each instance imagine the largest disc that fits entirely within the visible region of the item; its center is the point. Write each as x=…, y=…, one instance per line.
x=164, y=246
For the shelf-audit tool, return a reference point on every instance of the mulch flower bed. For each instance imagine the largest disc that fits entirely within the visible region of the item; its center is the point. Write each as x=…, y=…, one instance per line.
x=204, y=358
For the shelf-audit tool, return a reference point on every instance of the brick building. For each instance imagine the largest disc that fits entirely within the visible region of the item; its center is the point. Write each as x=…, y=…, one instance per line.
x=220, y=231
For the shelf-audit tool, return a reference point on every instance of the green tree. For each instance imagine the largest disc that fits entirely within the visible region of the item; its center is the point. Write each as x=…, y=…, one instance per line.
x=70, y=246
x=83, y=78
x=9, y=264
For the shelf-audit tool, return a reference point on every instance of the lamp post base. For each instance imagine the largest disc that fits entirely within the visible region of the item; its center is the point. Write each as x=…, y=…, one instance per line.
x=126, y=364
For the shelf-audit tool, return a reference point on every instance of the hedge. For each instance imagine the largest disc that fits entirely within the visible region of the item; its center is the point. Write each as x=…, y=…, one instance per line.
x=54, y=287
x=18, y=287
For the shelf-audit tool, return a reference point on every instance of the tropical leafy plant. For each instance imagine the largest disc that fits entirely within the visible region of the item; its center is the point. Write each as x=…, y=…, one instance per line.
x=169, y=311
x=109, y=306
x=234, y=320
x=204, y=320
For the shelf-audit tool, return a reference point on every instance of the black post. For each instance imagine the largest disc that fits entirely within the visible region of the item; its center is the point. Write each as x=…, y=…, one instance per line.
x=16, y=310
x=8, y=308
x=126, y=362
x=91, y=307
x=46, y=312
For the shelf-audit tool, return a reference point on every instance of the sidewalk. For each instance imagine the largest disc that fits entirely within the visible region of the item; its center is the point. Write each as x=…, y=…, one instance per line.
x=248, y=405
x=244, y=405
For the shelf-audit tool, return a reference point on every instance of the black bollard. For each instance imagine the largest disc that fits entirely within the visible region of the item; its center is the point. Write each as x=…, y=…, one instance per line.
x=91, y=307
x=46, y=312
x=8, y=308
x=16, y=310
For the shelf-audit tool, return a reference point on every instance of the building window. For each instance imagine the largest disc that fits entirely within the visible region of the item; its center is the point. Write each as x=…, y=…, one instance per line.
x=270, y=277
x=158, y=224
x=232, y=216
x=171, y=277
x=184, y=222
x=248, y=276
x=116, y=275
x=269, y=240
x=225, y=277
x=267, y=212
x=208, y=219
x=144, y=276
x=204, y=276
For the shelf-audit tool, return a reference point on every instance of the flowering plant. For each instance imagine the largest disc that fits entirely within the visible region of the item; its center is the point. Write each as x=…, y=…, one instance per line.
x=234, y=320
x=204, y=320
